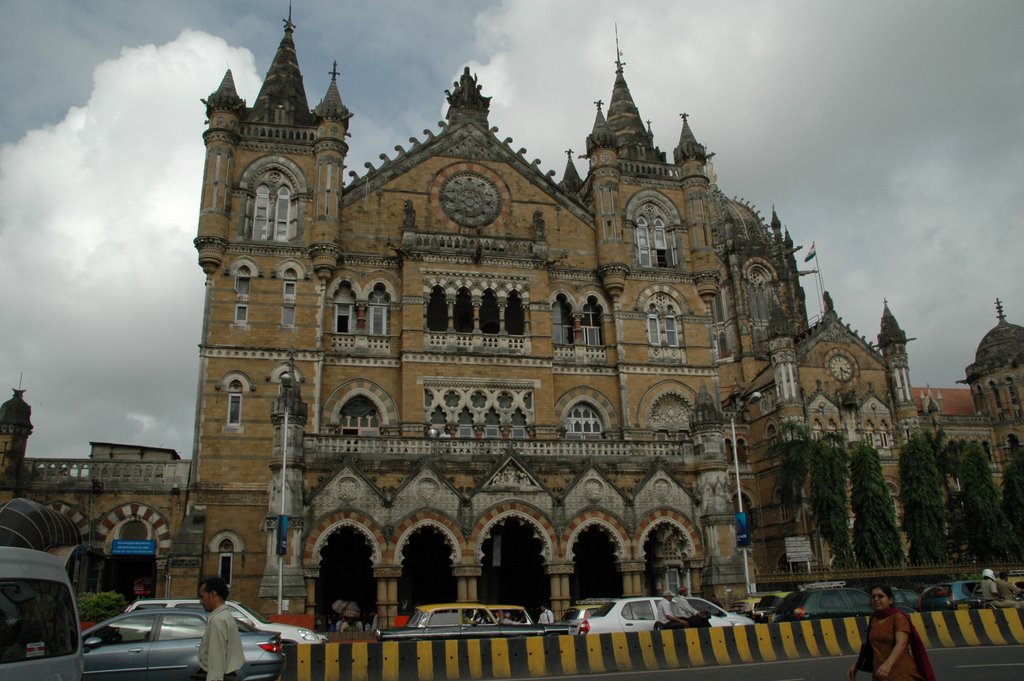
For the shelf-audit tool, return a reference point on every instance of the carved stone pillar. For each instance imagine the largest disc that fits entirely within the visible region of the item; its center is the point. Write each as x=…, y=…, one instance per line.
x=561, y=598
x=466, y=580
x=632, y=577
x=387, y=594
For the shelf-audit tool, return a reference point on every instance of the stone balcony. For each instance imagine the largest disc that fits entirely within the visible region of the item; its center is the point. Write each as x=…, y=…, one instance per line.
x=477, y=343
x=581, y=354
x=81, y=473
x=359, y=344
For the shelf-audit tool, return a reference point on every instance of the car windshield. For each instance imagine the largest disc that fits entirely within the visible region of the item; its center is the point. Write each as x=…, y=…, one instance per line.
x=603, y=610
x=253, y=614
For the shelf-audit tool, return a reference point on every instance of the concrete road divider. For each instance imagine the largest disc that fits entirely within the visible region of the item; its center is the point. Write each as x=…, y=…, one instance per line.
x=563, y=655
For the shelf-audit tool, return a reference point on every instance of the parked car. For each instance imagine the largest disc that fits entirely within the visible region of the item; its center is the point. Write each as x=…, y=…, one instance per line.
x=717, y=616
x=906, y=599
x=822, y=604
x=950, y=596
x=164, y=644
x=38, y=620
x=468, y=620
x=289, y=632
x=744, y=606
x=575, y=615
x=765, y=606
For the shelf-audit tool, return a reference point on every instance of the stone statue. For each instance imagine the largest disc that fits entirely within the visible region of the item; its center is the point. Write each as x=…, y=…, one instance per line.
x=466, y=93
x=410, y=215
x=538, y=224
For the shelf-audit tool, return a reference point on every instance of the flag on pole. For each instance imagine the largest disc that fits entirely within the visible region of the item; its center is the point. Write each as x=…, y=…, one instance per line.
x=810, y=253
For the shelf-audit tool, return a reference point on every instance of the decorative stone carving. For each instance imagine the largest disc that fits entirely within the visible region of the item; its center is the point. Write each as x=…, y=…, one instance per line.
x=470, y=199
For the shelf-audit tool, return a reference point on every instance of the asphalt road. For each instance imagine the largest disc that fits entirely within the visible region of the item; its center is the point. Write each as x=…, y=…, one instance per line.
x=989, y=663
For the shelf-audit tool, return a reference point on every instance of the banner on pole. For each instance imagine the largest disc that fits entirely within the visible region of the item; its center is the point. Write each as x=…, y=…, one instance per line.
x=742, y=530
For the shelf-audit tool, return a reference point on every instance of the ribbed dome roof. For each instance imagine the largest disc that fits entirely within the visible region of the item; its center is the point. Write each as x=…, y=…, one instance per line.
x=16, y=412
x=1003, y=346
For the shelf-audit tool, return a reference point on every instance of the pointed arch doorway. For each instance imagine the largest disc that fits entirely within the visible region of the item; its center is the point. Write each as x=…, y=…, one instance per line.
x=346, y=574
x=513, y=566
x=665, y=558
x=426, y=571
x=595, y=574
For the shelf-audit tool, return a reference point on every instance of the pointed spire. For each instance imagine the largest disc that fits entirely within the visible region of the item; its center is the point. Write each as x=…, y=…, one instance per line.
x=890, y=333
x=1000, y=315
x=689, y=149
x=331, y=105
x=705, y=410
x=225, y=97
x=634, y=140
x=571, y=181
x=282, y=99
x=601, y=136
x=16, y=413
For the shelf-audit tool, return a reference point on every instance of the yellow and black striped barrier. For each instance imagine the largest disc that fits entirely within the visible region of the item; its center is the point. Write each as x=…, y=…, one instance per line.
x=563, y=655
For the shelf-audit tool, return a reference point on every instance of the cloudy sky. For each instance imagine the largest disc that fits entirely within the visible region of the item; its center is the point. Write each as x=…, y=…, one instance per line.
x=891, y=134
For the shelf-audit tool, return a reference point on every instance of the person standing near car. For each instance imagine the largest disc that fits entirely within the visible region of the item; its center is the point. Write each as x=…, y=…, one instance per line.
x=1006, y=592
x=220, y=651
x=546, y=616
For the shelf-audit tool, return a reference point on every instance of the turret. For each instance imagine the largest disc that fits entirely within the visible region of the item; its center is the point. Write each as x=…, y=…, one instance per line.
x=602, y=150
x=224, y=109
x=892, y=341
x=691, y=156
x=330, y=150
x=15, y=429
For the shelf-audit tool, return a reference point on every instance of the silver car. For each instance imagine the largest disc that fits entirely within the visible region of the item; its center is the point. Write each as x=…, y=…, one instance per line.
x=717, y=616
x=163, y=645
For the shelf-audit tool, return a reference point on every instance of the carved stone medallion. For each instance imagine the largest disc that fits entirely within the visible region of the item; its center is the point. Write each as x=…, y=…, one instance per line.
x=470, y=199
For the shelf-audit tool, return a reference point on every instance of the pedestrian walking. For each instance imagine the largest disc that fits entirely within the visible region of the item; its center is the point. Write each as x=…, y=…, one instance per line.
x=220, y=651
x=546, y=616
x=897, y=652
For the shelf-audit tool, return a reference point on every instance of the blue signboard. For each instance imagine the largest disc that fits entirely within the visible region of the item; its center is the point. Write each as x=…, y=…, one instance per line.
x=133, y=547
x=742, y=532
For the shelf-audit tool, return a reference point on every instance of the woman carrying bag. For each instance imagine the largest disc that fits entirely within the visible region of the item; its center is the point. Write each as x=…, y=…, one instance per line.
x=892, y=651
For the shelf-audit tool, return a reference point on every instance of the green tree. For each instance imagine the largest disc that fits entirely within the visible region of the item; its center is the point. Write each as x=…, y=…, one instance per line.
x=876, y=537
x=1013, y=497
x=824, y=462
x=829, y=474
x=991, y=537
x=924, y=517
x=948, y=454
x=96, y=607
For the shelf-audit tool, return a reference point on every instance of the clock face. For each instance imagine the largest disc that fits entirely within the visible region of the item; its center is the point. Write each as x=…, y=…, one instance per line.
x=841, y=368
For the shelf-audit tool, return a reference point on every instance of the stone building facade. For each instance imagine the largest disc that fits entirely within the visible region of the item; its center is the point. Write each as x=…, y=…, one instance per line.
x=461, y=378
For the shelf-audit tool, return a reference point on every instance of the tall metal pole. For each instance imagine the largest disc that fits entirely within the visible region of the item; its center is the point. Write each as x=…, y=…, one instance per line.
x=284, y=470
x=739, y=491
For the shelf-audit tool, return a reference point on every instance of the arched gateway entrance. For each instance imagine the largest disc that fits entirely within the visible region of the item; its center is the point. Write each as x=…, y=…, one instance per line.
x=426, y=570
x=346, y=574
x=513, y=566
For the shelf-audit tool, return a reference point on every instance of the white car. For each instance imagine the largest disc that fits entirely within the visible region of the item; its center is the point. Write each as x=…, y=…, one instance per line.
x=719, y=617
x=289, y=632
x=621, y=614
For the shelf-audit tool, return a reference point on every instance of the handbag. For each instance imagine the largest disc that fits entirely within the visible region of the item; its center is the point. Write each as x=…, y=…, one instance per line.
x=866, y=657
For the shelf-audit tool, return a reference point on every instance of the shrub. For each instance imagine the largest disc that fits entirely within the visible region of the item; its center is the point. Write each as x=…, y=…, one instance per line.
x=96, y=607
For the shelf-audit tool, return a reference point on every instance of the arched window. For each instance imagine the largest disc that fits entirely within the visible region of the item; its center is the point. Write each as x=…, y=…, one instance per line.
x=272, y=216
x=561, y=322
x=465, y=423
x=344, y=309
x=133, y=530
x=1011, y=389
x=591, y=322
x=359, y=416
x=378, y=309
x=583, y=423
x=515, y=317
x=643, y=242
x=242, y=285
x=288, y=306
x=464, y=311
x=653, y=327
x=225, y=560
x=671, y=332
x=664, y=245
x=437, y=310
x=490, y=319
x=492, y=424
x=518, y=424
x=235, y=403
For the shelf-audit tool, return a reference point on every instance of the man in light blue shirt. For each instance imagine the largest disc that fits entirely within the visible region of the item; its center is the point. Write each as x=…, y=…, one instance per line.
x=220, y=652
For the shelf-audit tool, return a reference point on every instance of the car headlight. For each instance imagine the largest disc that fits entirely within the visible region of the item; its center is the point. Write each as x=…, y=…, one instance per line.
x=308, y=635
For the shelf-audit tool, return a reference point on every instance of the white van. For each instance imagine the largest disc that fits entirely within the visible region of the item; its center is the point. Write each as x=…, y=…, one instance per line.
x=289, y=632
x=39, y=632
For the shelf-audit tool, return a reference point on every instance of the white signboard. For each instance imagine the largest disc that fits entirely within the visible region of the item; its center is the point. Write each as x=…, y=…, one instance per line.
x=798, y=549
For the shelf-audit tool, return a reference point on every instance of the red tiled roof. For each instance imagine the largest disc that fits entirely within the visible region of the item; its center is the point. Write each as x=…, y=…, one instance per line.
x=955, y=401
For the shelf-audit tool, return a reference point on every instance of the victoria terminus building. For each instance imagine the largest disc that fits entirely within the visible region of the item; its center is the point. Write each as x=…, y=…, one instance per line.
x=460, y=378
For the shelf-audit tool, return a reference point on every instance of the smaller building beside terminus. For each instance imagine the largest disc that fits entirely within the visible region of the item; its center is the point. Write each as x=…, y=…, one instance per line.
x=463, y=379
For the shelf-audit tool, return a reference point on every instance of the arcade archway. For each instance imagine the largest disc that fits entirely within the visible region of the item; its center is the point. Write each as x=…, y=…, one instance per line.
x=426, y=570
x=346, y=574
x=513, y=566
x=595, y=574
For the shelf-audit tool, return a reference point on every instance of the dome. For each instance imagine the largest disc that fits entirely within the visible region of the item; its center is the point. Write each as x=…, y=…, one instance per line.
x=16, y=412
x=1001, y=347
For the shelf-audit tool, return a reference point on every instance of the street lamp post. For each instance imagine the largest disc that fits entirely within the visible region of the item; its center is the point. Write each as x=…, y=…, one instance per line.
x=737, y=405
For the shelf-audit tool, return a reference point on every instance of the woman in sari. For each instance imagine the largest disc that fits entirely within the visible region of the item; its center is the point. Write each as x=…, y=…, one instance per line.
x=897, y=650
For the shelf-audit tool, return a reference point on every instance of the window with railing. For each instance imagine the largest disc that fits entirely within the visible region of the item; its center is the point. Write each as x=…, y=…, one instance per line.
x=583, y=423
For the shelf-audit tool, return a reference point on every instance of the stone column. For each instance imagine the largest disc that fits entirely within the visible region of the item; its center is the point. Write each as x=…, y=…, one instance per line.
x=632, y=577
x=466, y=580
x=387, y=594
x=561, y=598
